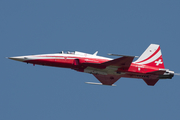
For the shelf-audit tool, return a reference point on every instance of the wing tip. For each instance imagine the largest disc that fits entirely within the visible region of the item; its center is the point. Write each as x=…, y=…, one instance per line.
x=94, y=83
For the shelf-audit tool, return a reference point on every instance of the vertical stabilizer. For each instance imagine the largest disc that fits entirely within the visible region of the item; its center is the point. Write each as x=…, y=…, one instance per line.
x=152, y=56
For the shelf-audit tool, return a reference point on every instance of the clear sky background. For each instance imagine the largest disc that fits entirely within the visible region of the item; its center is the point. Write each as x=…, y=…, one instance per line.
x=30, y=92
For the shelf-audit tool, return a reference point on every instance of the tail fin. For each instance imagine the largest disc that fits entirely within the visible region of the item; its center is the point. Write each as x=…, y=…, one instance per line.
x=152, y=56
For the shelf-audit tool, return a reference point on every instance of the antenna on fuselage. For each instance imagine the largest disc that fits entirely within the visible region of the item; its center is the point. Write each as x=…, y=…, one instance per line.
x=95, y=53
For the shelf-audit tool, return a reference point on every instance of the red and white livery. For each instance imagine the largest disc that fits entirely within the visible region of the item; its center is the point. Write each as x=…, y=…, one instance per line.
x=149, y=66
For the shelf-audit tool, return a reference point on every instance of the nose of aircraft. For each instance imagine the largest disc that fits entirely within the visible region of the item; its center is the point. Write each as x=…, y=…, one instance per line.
x=18, y=58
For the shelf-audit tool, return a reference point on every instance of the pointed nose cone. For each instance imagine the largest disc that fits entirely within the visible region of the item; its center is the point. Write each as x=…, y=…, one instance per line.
x=19, y=58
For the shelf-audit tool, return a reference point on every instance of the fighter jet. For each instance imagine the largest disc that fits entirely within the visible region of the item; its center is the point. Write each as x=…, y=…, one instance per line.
x=149, y=66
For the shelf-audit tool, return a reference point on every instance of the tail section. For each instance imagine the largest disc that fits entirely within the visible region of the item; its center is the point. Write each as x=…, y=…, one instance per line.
x=152, y=56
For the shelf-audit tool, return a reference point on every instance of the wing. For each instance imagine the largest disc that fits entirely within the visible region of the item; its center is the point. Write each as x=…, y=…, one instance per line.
x=107, y=79
x=124, y=62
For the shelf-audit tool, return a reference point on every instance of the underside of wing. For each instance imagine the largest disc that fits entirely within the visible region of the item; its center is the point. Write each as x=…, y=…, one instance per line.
x=107, y=79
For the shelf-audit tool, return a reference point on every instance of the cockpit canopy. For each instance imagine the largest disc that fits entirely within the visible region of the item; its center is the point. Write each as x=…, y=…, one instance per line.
x=74, y=53
x=67, y=52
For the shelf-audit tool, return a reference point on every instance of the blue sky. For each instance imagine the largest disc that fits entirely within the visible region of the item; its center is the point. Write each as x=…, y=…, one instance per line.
x=122, y=27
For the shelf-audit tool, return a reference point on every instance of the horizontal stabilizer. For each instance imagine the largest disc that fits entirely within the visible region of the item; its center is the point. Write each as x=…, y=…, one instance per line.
x=93, y=83
x=151, y=82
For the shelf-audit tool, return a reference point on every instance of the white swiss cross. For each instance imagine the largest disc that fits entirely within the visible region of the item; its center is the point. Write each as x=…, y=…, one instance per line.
x=158, y=62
